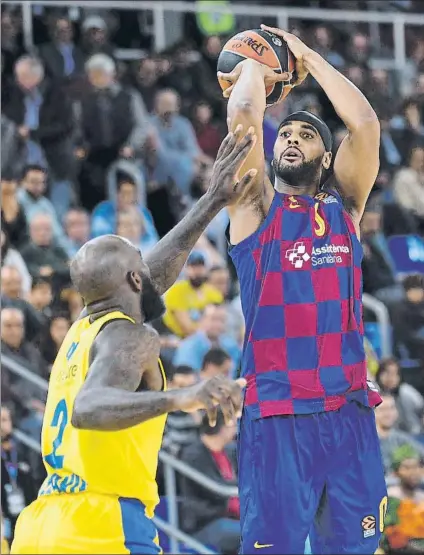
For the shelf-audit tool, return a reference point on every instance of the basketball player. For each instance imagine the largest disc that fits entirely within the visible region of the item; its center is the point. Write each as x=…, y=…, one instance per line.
x=309, y=452
x=107, y=399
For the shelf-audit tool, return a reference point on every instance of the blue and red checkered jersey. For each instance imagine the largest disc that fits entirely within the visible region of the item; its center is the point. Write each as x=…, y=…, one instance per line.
x=301, y=294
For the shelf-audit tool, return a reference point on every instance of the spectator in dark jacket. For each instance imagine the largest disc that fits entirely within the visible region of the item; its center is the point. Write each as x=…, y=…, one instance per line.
x=61, y=57
x=42, y=255
x=44, y=118
x=112, y=124
x=13, y=219
x=12, y=296
x=18, y=487
x=212, y=519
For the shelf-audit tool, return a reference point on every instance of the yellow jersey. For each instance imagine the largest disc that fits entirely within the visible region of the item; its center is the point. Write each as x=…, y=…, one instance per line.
x=120, y=463
x=182, y=296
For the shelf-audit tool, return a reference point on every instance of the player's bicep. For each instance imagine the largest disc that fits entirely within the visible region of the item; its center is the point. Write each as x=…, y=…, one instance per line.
x=118, y=358
x=357, y=163
x=246, y=114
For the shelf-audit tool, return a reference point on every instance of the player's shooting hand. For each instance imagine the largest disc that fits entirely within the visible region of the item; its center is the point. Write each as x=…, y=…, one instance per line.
x=225, y=185
x=214, y=393
x=298, y=49
x=269, y=75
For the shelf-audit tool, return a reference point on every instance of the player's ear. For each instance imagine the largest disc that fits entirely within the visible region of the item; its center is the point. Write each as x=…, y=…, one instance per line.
x=134, y=279
x=326, y=161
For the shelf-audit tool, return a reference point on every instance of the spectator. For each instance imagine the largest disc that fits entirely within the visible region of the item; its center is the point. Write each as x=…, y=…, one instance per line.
x=44, y=117
x=95, y=37
x=359, y=49
x=53, y=338
x=41, y=296
x=409, y=402
x=408, y=186
x=211, y=518
x=323, y=44
x=182, y=429
x=210, y=333
x=386, y=418
x=12, y=296
x=11, y=47
x=378, y=268
x=31, y=197
x=146, y=77
x=14, y=343
x=405, y=512
x=408, y=319
x=17, y=484
x=13, y=152
x=62, y=57
x=136, y=229
x=112, y=123
x=12, y=257
x=216, y=362
x=129, y=194
x=43, y=256
x=77, y=229
x=408, y=128
x=208, y=136
x=219, y=277
x=13, y=218
x=189, y=297
x=178, y=146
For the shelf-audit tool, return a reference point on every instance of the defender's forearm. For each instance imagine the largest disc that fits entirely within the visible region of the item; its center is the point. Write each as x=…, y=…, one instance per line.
x=167, y=258
x=348, y=101
x=110, y=409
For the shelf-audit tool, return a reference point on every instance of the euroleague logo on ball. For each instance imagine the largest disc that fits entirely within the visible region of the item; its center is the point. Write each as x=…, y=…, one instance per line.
x=277, y=41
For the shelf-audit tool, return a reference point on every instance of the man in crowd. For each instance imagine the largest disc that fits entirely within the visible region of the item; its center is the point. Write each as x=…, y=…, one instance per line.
x=77, y=229
x=210, y=333
x=211, y=518
x=43, y=256
x=186, y=300
x=386, y=416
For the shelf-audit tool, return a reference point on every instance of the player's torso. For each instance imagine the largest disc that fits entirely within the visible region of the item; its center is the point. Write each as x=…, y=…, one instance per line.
x=121, y=463
x=301, y=287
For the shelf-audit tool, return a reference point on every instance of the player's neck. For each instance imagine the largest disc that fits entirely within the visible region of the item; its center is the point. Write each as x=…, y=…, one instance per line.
x=282, y=187
x=99, y=309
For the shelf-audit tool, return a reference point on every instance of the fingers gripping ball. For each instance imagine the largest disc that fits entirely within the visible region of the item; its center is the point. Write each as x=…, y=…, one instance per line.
x=266, y=48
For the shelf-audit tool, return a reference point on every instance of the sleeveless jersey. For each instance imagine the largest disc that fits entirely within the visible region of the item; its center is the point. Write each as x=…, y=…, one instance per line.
x=301, y=294
x=121, y=463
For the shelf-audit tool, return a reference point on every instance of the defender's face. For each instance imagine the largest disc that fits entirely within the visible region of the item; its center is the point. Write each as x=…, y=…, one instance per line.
x=298, y=143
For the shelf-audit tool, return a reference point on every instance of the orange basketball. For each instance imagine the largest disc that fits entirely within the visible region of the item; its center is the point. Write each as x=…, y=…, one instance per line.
x=264, y=47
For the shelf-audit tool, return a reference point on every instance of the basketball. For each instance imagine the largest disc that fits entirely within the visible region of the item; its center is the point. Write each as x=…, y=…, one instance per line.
x=264, y=47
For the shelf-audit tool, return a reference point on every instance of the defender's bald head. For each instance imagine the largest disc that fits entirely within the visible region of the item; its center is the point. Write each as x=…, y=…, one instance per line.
x=101, y=266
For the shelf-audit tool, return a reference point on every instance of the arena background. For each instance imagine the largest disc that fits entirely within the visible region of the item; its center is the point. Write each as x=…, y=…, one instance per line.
x=84, y=153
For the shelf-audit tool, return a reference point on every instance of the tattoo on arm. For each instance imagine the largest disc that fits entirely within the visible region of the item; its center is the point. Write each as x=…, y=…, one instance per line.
x=168, y=257
x=108, y=399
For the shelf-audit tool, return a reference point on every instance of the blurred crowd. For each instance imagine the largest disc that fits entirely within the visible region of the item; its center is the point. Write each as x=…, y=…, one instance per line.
x=92, y=145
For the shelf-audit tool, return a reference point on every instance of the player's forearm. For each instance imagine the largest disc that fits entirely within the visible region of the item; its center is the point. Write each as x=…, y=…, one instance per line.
x=110, y=409
x=348, y=101
x=247, y=96
x=167, y=258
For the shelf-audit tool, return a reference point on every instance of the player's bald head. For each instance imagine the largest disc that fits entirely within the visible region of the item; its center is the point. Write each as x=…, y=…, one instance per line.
x=102, y=265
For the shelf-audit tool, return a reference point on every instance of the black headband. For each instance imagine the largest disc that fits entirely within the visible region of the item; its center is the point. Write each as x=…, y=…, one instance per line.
x=316, y=122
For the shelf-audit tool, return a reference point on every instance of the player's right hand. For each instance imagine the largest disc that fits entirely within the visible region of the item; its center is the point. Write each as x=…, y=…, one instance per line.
x=213, y=393
x=269, y=75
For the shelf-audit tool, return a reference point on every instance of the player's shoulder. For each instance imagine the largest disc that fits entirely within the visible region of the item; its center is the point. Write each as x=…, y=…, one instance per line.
x=121, y=333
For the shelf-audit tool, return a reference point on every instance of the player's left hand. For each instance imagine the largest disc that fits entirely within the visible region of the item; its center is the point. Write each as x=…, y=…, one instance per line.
x=297, y=47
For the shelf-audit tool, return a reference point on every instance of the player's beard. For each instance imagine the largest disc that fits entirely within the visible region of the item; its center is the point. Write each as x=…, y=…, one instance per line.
x=298, y=175
x=152, y=305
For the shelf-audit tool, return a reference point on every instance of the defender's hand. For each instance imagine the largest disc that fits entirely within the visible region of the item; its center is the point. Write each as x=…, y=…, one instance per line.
x=225, y=186
x=210, y=394
x=269, y=75
x=298, y=49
